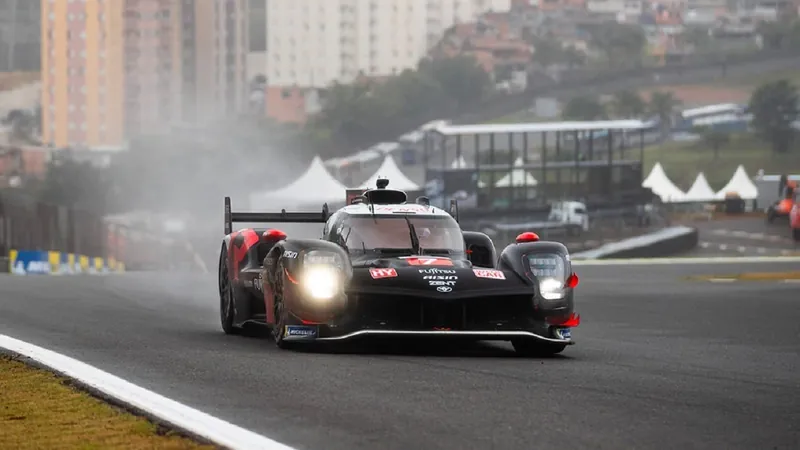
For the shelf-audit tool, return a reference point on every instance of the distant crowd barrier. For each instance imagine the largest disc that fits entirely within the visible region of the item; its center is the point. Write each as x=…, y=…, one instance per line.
x=666, y=242
x=39, y=238
x=35, y=262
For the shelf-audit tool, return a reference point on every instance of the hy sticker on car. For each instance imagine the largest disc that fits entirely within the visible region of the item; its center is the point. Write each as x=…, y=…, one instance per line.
x=382, y=273
x=299, y=332
x=489, y=273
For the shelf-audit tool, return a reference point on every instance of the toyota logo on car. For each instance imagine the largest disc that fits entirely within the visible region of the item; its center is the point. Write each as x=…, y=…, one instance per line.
x=444, y=289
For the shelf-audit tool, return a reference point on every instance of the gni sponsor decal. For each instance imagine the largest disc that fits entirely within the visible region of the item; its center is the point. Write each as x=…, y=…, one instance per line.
x=382, y=273
x=441, y=280
x=415, y=261
x=290, y=254
x=489, y=273
x=435, y=271
x=299, y=331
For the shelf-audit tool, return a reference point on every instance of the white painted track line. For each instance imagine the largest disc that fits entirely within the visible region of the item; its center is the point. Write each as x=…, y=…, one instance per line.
x=686, y=260
x=169, y=411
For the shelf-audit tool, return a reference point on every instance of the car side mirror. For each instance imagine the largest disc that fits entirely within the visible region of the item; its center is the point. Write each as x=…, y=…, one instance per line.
x=480, y=256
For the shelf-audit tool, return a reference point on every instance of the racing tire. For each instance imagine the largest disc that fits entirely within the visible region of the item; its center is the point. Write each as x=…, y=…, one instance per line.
x=281, y=315
x=796, y=234
x=529, y=348
x=226, y=300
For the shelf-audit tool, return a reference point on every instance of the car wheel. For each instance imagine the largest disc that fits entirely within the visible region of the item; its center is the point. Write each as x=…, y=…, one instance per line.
x=226, y=311
x=534, y=348
x=279, y=309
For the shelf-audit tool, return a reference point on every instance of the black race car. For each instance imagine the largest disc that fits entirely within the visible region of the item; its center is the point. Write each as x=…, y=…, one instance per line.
x=385, y=267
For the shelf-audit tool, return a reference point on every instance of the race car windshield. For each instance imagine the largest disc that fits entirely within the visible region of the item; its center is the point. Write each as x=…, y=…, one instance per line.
x=393, y=234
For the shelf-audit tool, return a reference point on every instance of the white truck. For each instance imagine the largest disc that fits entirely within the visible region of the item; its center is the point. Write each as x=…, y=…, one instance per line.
x=565, y=217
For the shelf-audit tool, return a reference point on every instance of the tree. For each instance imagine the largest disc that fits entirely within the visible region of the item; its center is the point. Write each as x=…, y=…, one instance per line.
x=366, y=112
x=774, y=107
x=75, y=184
x=628, y=104
x=548, y=52
x=783, y=34
x=583, y=108
x=461, y=78
x=713, y=138
x=24, y=126
x=621, y=44
x=662, y=105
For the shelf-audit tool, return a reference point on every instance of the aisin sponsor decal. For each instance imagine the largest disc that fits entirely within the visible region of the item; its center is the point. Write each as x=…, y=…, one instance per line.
x=489, y=273
x=382, y=273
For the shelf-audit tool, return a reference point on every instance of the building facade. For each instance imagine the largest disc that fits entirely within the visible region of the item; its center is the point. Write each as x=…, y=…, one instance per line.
x=314, y=43
x=114, y=68
x=20, y=35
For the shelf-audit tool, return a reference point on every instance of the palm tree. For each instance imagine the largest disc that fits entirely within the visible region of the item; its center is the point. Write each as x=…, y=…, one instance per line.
x=662, y=105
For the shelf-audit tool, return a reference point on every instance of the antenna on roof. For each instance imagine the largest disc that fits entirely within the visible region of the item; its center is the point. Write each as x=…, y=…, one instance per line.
x=382, y=182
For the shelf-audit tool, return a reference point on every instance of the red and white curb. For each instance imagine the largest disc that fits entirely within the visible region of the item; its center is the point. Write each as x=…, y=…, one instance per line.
x=180, y=416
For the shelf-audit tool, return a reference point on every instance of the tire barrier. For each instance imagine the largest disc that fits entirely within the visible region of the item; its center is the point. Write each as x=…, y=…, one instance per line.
x=666, y=242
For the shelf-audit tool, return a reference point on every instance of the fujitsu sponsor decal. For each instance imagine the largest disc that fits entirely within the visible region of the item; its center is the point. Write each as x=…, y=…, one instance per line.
x=489, y=273
x=435, y=271
x=382, y=273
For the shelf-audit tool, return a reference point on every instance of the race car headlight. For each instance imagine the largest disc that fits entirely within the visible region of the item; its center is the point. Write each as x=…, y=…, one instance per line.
x=322, y=282
x=551, y=289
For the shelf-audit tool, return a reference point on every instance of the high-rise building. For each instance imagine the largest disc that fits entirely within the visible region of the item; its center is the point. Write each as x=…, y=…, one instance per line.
x=212, y=40
x=114, y=68
x=313, y=43
x=20, y=35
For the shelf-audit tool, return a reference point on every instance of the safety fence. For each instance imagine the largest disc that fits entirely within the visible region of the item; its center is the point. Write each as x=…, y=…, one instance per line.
x=38, y=238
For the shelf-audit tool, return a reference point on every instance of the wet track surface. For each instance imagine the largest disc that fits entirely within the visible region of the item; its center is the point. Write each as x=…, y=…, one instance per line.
x=661, y=362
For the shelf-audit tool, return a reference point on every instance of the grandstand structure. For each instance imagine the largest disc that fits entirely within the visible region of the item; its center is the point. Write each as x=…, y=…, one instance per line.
x=527, y=165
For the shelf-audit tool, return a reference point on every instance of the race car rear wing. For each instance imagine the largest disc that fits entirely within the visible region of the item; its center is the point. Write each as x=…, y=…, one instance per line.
x=281, y=217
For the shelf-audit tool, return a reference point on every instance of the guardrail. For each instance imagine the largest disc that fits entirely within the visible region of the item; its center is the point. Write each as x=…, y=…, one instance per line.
x=666, y=242
x=40, y=238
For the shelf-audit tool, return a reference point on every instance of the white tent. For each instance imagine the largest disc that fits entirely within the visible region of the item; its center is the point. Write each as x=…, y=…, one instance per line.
x=315, y=186
x=389, y=170
x=700, y=190
x=741, y=184
x=459, y=163
x=517, y=177
x=662, y=186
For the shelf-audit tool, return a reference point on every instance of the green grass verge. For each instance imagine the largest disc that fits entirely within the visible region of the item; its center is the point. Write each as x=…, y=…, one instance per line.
x=682, y=161
x=39, y=410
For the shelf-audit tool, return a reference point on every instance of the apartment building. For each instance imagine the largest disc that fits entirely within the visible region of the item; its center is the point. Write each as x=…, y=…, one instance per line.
x=313, y=43
x=114, y=68
x=617, y=7
x=20, y=35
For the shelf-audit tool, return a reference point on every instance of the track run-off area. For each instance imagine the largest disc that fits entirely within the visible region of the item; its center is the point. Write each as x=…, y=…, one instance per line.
x=661, y=361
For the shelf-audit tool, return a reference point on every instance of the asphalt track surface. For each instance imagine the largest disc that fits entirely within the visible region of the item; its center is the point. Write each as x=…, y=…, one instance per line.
x=661, y=362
